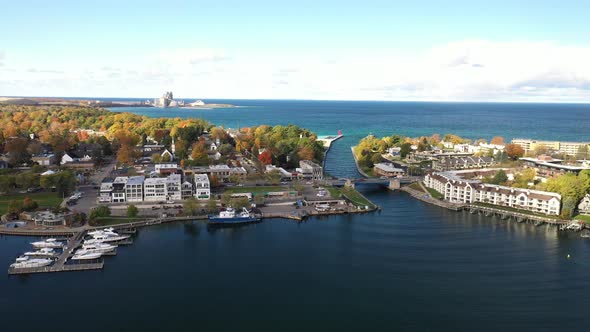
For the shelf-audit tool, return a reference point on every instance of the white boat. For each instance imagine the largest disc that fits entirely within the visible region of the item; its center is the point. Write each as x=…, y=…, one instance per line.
x=86, y=255
x=48, y=243
x=585, y=235
x=98, y=247
x=43, y=252
x=105, y=237
x=109, y=230
x=27, y=262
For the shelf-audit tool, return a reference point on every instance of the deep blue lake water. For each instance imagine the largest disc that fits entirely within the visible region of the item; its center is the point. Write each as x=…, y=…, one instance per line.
x=409, y=267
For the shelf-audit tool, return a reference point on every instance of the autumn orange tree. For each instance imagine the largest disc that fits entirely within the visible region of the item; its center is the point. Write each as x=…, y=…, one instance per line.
x=497, y=140
x=265, y=157
x=514, y=151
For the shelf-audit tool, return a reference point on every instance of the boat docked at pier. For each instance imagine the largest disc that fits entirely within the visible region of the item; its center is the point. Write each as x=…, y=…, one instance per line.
x=109, y=230
x=27, y=262
x=102, y=236
x=84, y=255
x=43, y=252
x=48, y=243
x=231, y=217
x=98, y=247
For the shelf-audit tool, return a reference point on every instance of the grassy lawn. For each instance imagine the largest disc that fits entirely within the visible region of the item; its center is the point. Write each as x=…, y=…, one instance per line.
x=511, y=209
x=416, y=186
x=582, y=217
x=356, y=198
x=435, y=194
x=44, y=199
x=334, y=192
x=115, y=220
x=255, y=190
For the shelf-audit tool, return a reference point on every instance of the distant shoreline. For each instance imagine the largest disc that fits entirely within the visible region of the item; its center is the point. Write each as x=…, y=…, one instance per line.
x=40, y=101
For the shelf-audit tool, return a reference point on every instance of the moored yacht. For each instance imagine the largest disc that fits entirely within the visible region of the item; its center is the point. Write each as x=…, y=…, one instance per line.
x=48, y=243
x=98, y=247
x=43, y=252
x=27, y=262
x=110, y=231
x=86, y=255
x=106, y=237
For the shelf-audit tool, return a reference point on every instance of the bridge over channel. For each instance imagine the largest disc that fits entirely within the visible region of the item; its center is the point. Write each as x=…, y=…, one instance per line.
x=391, y=183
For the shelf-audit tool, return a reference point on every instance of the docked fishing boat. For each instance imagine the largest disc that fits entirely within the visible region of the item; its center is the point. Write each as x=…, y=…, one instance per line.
x=231, y=217
x=43, y=252
x=48, y=243
x=27, y=262
x=83, y=255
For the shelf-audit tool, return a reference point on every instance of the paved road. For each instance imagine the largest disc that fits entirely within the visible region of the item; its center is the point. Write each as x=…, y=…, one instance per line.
x=89, y=197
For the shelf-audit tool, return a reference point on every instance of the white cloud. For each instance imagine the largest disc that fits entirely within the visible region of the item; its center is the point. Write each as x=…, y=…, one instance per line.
x=471, y=70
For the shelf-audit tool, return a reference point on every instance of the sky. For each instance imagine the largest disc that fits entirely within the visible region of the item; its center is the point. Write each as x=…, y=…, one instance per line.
x=534, y=51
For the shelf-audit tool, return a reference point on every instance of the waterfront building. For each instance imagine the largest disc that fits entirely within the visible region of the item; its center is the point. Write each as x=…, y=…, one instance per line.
x=387, y=169
x=547, y=167
x=49, y=219
x=187, y=190
x=456, y=187
x=310, y=170
x=106, y=190
x=174, y=187
x=134, y=189
x=202, y=186
x=118, y=192
x=567, y=148
x=155, y=189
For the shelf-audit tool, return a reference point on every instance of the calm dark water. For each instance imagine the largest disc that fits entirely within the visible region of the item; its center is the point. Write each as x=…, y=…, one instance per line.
x=409, y=267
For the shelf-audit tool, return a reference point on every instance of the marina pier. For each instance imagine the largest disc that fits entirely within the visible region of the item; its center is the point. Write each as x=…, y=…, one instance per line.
x=63, y=264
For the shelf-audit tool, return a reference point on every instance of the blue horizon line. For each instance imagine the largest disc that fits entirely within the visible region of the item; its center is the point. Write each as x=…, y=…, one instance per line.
x=321, y=100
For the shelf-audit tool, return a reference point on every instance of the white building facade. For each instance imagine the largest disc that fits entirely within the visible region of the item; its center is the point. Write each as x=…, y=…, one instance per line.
x=456, y=189
x=202, y=187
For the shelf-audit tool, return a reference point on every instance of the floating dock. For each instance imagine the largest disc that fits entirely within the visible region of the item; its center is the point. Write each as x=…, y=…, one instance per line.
x=60, y=264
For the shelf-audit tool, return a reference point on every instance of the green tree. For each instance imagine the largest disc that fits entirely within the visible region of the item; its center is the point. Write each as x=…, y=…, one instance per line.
x=101, y=211
x=132, y=211
x=191, y=207
x=406, y=148
x=499, y=178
